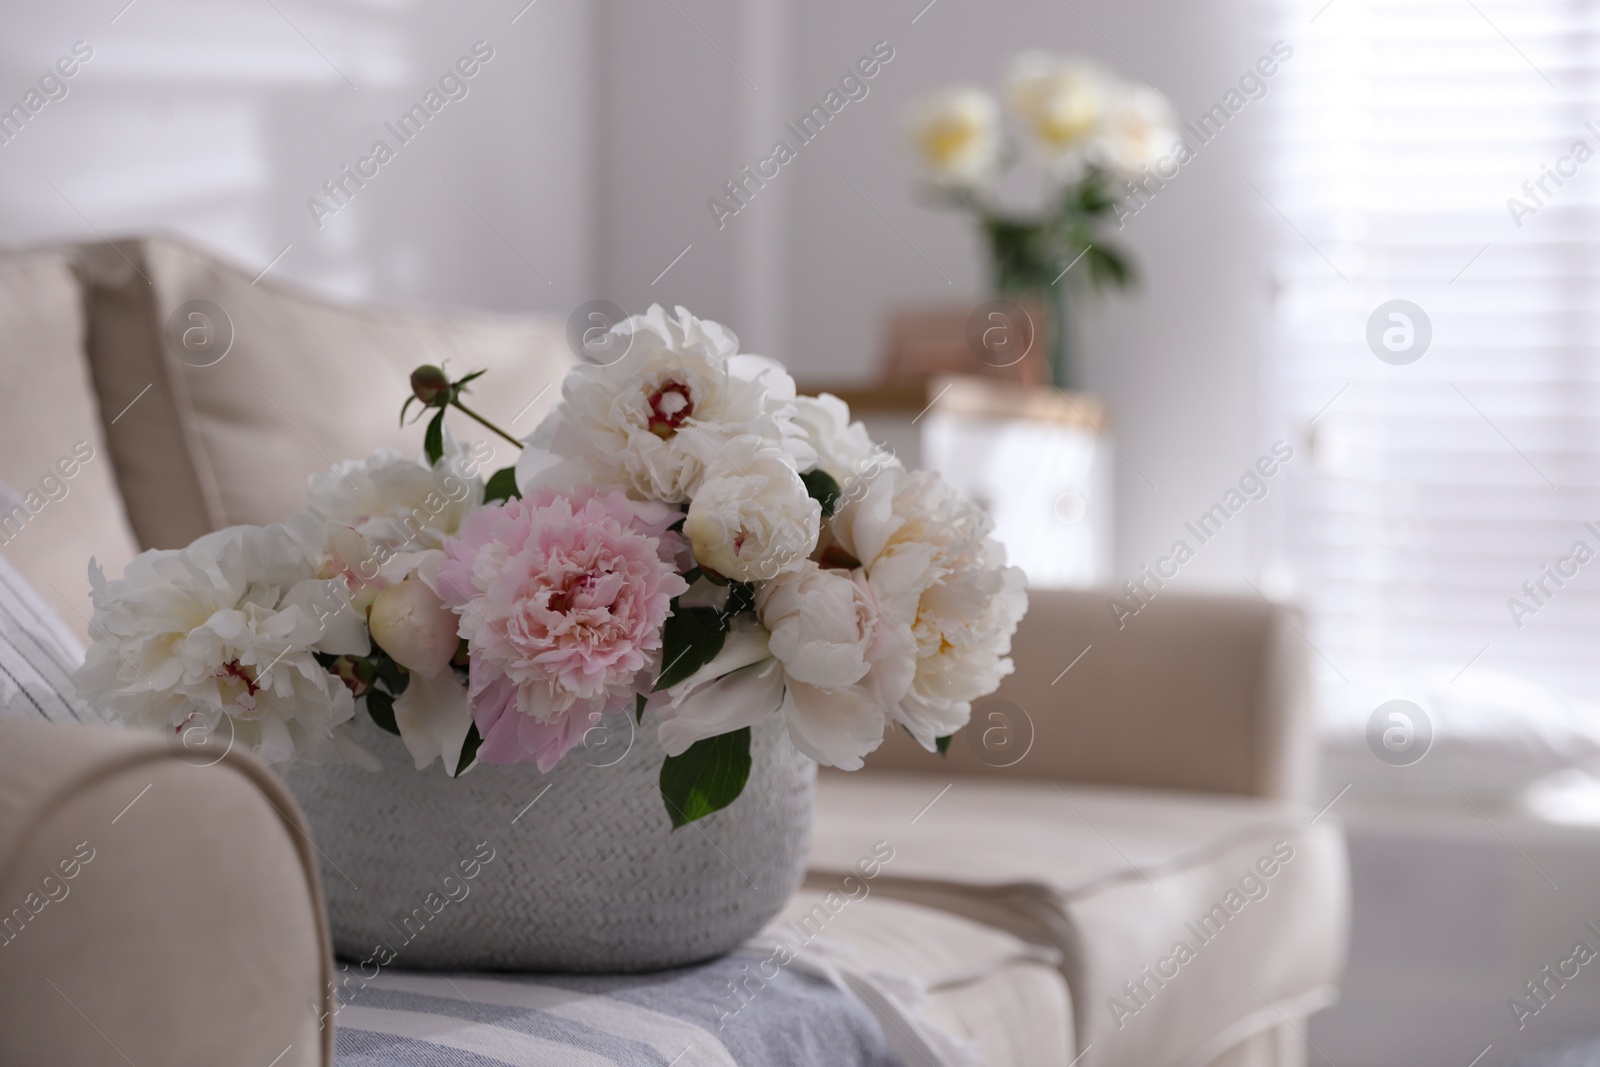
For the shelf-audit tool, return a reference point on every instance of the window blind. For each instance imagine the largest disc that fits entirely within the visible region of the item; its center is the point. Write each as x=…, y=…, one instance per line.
x=1444, y=153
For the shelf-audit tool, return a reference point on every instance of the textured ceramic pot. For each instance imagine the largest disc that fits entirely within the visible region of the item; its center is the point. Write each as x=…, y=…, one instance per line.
x=575, y=870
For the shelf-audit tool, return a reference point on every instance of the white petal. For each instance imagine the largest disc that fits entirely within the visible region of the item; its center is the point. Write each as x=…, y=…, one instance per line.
x=870, y=520
x=835, y=727
x=742, y=698
x=434, y=719
x=740, y=649
x=929, y=720
x=338, y=627
x=533, y=462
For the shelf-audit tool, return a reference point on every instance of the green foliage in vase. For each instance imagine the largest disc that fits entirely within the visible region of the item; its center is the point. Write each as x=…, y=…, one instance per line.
x=1094, y=137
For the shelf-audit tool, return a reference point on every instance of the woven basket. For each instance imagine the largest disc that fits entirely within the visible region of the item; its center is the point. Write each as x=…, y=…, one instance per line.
x=575, y=870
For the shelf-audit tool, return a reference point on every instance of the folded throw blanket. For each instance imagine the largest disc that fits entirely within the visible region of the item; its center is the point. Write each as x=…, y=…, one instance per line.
x=687, y=1017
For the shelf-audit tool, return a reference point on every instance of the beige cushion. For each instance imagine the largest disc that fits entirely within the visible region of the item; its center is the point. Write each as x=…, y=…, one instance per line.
x=1113, y=878
x=1284, y=1045
x=1200, y=692
x=154, y=911
x=306, y=383
x=62, y=506
x=983, y=985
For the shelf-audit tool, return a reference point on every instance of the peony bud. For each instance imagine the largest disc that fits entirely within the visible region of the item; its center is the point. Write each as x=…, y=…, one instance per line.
x=411, y=623
x=428, y=383
x=356, y=673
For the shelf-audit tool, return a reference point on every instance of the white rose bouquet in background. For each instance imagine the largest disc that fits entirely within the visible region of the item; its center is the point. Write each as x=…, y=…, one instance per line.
x=1089, y=134
x=683, y=540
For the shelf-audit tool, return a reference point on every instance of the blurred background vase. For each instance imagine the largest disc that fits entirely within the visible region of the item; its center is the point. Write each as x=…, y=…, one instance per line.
x=1083, y=135
x=1024, y=270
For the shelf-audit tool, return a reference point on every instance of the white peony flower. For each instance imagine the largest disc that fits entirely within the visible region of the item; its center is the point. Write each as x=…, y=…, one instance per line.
x=845, y=451
x=221, y=635
x=957, y=133
x=822, y=625
x=752, y=517
x=394, y=502
x=1060, y=103
x=379, y=521
x=946, y=602
x=823, y=630
x=1137, y=130
x=650, y=422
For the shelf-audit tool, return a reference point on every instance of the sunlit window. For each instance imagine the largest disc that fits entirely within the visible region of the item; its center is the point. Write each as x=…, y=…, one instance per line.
x=1437, y=193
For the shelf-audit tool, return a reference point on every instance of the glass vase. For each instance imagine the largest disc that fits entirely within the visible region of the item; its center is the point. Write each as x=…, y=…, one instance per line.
x=1043, y=292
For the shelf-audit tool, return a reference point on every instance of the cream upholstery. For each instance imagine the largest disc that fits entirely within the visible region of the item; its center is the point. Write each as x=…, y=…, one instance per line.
x=1282, y=1046
x=53, y=457
x=1111, y=878
x=155, y=911
x=306, y=383
x=1206, y=693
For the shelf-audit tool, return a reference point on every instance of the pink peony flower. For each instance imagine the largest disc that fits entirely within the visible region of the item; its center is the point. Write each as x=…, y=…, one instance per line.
x=562, y=597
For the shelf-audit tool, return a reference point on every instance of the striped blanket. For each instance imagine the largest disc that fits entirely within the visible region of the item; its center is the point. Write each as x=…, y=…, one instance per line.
x=688, y=1017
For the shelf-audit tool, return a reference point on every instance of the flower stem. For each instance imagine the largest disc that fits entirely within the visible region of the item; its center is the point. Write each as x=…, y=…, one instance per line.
x=473, y=414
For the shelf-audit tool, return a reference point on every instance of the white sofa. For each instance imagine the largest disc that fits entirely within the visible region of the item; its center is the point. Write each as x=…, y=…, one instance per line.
x=1156, y=801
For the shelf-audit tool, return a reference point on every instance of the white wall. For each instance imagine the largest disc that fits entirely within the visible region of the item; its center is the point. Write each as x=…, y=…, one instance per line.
x=220, y=120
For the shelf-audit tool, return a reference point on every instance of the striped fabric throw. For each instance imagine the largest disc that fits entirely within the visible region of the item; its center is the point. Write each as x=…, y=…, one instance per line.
x=716, y=1014
x=37, y=657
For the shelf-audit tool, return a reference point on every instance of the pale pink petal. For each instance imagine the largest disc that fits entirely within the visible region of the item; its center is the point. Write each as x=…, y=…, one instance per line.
x=562, y=597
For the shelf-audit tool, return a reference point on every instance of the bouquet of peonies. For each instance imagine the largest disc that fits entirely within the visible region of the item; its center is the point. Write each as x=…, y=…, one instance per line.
x=683, y=538
x=1096, y=139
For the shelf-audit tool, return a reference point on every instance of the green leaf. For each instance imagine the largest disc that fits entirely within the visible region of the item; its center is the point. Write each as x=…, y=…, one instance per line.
x=405, y=407
x=741, y=598
x=1095, y=196
x=469, y=749
x=691, y=638
x=433, y=442
x=380, y=706
x=474, y=375
x=823, y=489
x=394, y=677
x=706, y=778
x=638, y=707
x=502, y=485
x=943, y=744
x=1108, y=267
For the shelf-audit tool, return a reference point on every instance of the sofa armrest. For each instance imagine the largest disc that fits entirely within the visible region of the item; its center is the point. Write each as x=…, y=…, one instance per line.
x=1198, y=692
x=153, y=910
